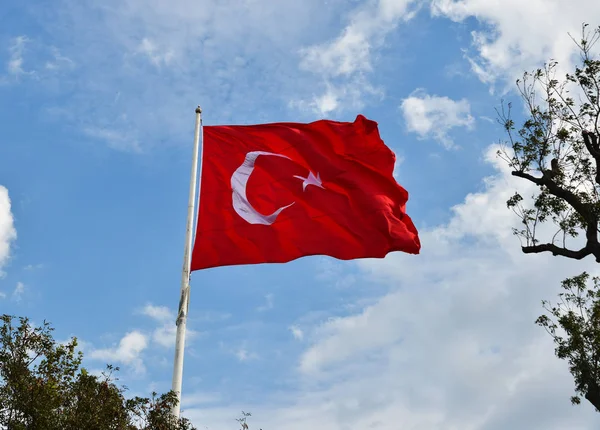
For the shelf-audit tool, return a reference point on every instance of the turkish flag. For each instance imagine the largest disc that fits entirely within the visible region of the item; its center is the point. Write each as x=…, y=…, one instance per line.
x=272, y=193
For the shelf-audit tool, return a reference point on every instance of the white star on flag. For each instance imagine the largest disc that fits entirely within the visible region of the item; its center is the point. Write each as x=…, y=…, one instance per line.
x=311, y=180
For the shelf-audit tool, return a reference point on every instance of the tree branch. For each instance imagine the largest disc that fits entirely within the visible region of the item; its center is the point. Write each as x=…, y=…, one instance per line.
x=592, y=246
x=591, y=144
x=556, y=190
x=555, y=250
x=592, y=394
x=537, y=181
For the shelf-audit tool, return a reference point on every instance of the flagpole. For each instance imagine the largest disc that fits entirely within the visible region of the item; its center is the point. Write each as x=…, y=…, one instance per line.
x=184, y=301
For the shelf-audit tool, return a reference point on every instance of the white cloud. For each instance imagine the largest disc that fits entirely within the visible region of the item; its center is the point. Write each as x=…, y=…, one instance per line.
x=243, y=354
x=333, y=273
x=159, y=313
x=339, y=96
x=434, y=116
x=162, y=59
x=18, y=292
x=115, y=138
x=519, y=35
x=7, y=229
x=343, y=62
x=156, y=55
x=14, y=66
x=127, y=352
x=351, y=51
x=297, y=332
x=397, y=164
x=327, y=102
x=58, y=61
x=457, y=331
x=269, y=303
x=2, y=295
x=164, y=334
x=43, y=62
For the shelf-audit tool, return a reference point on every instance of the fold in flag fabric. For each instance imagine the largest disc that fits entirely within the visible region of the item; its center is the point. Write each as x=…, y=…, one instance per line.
x=272, y=193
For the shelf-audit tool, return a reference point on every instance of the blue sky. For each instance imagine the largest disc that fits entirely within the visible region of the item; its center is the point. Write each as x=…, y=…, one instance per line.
x=97, y=106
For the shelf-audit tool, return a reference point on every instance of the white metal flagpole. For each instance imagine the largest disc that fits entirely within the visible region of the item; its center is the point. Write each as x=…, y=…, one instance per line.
x=184, y=301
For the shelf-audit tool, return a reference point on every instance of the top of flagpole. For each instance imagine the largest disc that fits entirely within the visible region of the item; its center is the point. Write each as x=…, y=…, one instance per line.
x=198, y=109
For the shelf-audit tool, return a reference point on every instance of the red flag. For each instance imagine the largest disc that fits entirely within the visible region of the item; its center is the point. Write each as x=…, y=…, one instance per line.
x=272, y=193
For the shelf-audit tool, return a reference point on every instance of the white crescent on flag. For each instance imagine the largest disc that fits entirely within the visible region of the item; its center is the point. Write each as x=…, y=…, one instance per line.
x=239, y=181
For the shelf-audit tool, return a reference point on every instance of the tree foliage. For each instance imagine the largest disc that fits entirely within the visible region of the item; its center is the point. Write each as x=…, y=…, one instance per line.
x=44, y=387
x=574, y=324
x=557, y=148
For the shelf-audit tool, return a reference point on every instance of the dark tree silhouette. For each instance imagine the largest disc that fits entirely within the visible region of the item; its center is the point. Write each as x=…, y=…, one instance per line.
x=557, y=149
